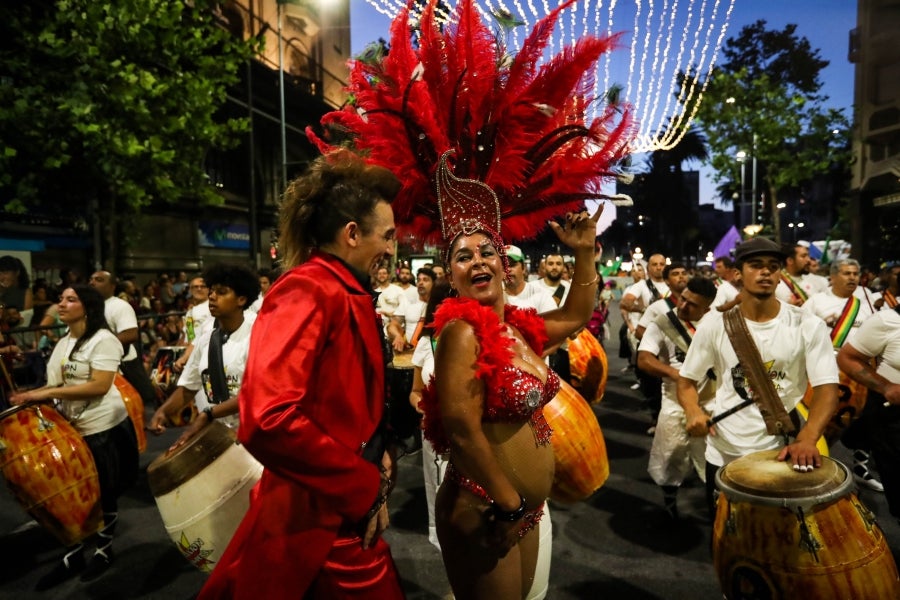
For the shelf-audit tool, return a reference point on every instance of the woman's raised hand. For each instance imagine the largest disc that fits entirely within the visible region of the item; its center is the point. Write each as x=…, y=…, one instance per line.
x=579, y=230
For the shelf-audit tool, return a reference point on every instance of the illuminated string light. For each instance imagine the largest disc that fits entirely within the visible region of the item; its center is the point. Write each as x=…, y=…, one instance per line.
x=666, y=36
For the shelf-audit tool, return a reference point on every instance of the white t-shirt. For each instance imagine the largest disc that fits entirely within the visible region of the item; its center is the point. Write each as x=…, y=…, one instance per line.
x=423, y=357
x=635, y=290
x=197, y=320
x=657, y=309
x=120, y=317
x=540, y=286
x=867, y=296
x=811, y=284
x=234, y=358
x=103, y=352
x=388, y=301
x=796, y=350
x=411, y=293
x=532, y=297
x=409, y=313
x=659, y=345
x=642, y=291
x=880, y=336
x=725, y=293
x=829, y=307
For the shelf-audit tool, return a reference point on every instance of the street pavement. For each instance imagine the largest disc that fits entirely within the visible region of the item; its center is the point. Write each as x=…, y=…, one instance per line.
x=618, y=543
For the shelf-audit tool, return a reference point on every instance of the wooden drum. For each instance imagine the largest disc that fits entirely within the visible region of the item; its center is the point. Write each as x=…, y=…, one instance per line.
x=851, y=401
x=49, y=469
x=578, y=446
x=783, y=534
x=135, y=407
x=202, y=491
x=588, y=365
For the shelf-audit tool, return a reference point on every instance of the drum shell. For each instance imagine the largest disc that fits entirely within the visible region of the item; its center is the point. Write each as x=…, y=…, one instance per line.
x=582, y=465
x=760, y=549
x=851, y=401
x=135, y=407
x=202, y=492
x=404, y=420
x=50, y=471
x=588, y=365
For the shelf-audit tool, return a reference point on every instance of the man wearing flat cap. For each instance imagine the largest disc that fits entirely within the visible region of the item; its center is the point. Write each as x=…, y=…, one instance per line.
x=794, y=348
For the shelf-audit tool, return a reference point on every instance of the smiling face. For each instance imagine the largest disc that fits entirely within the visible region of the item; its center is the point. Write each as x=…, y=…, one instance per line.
x=476, y=269
x=372, y=244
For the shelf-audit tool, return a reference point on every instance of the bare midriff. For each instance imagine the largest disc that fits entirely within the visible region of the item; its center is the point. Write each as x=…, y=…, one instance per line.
x=528, y=466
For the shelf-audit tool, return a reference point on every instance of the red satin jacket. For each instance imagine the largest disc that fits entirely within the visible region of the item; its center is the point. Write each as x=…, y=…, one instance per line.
x=312, y=395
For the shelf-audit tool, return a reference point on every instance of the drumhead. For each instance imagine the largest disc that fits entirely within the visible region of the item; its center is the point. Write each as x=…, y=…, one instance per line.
x=169, y=471
x=402, y=360
x=760, y=478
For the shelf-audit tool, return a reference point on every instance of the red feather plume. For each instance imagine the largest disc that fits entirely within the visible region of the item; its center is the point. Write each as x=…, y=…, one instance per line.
x=513, y=125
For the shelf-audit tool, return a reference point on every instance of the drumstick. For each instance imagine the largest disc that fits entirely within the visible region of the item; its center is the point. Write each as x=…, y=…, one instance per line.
x=9, y=380
x=730, y=412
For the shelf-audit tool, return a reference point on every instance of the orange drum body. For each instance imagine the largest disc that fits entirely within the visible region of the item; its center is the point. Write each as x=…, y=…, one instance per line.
x=589, y=366
x=582, y=466
x=202, y=491
x=135, y=407
x=50, y=471
x=780, y=534
x=851, y=400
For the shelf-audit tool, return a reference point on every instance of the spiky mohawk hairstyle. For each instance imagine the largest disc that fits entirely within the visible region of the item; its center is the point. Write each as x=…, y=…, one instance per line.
x=516, y=127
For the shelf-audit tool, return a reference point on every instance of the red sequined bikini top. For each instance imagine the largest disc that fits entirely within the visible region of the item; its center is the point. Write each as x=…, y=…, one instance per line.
x=512, y=395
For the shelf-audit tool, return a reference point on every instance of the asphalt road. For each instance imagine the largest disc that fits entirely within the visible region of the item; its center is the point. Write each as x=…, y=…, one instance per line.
x=617, y=544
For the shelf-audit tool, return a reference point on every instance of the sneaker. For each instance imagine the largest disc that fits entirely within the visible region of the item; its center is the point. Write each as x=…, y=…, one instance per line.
x=99, y=564
x=71, y=565
x=861, y=473
x=636, y=386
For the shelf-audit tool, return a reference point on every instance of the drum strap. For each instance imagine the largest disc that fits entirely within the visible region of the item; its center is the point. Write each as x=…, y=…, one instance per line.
x=777, y=420
x=217, y=380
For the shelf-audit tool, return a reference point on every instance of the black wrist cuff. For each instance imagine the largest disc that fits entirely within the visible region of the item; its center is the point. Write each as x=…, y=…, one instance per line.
x=509, y=515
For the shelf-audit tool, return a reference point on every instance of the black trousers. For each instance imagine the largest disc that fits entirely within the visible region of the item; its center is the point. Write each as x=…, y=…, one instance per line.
x=878, y=430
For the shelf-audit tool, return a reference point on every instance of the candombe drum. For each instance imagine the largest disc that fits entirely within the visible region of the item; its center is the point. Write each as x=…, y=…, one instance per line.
x=588, y=365
x=49, y=469
x=135, y=407
x=403, y=417
x=582, y=466
x=162, y=372
x=851, y=401
x=202, y=490
x=783, y=534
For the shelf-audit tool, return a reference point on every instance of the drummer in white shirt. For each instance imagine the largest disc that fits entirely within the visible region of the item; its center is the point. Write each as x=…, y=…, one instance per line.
x=232, y=289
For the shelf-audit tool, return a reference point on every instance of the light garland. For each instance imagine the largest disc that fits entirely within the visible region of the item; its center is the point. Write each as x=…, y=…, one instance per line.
x=655, y=27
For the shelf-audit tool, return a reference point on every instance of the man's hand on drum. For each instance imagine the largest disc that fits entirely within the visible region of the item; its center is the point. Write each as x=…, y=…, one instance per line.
x=803, y=455
x=399, y=344
x=159, y=422
x=193, y=429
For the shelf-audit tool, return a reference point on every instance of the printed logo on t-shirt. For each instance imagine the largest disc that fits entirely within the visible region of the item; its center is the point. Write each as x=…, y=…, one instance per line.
x=742, y=384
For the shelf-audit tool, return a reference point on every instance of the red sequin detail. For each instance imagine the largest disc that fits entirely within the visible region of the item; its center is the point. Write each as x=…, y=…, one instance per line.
x=507, y=388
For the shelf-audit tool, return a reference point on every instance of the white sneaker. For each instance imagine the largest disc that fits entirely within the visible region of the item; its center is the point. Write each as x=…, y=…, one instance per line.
x=636, y=386
x=861, y=473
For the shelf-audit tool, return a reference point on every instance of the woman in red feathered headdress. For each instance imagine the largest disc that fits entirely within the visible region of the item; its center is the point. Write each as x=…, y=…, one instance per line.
x=478, y=137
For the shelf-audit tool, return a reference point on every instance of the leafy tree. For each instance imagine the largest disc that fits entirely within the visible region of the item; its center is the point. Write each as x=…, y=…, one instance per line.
x=764, y=99
x=115, y=103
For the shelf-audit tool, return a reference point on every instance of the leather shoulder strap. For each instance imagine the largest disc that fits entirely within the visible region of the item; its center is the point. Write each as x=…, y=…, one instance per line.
x=778, y=422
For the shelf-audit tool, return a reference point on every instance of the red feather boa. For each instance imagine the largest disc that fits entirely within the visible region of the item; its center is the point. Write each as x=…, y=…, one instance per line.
x=494, y=353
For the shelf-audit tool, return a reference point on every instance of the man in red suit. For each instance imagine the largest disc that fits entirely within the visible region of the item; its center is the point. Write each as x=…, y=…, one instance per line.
x=312, y=403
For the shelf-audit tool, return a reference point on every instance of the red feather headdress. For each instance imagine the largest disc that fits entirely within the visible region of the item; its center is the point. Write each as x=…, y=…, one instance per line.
x=515, y=132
